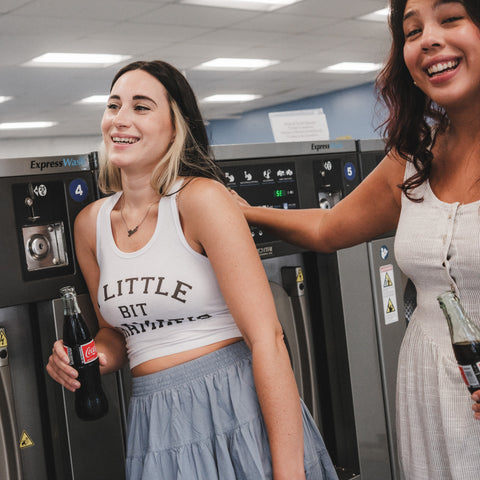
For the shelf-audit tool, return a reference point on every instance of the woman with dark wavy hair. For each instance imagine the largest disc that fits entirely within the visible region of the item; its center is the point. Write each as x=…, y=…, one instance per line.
x=428, y=189
x=179, y=289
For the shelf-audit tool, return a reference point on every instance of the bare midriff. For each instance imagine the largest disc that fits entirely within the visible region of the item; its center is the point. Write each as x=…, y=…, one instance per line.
x=168, y=361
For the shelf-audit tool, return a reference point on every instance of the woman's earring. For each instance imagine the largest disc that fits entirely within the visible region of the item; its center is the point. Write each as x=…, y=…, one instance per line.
x=415, y=83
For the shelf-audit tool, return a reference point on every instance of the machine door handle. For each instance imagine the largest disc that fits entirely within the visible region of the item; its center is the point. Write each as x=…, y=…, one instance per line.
x=9, y=447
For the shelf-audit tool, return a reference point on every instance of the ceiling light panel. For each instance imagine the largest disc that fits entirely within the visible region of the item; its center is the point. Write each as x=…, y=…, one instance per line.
x=54, y=59
x=26, y=125
x=262, y=5
x=236, y=64
x=231, y=98
x=377, y=16
x=95, y=100
x=352, y=67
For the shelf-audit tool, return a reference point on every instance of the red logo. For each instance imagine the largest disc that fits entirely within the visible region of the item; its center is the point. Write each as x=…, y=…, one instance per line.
x=89, y=352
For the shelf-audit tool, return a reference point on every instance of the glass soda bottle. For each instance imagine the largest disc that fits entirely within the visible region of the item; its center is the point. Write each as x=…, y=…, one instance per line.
x=90, y=400
x=465, y=337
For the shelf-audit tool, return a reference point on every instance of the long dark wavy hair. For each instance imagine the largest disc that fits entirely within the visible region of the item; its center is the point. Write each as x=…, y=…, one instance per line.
x=190, y=153
x=414, y=119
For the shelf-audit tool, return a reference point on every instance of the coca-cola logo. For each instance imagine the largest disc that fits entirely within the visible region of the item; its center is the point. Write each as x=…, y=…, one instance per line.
x=89, y=352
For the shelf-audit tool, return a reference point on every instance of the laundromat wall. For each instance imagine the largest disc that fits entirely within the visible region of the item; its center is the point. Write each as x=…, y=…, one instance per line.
x=342, y=314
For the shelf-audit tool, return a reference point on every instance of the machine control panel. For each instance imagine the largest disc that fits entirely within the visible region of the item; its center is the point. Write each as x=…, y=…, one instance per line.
x=41, y=216
x=264, y=184
x=335, y=177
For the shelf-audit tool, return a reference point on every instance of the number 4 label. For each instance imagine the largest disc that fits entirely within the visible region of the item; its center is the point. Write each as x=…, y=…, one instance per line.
x=78, y=189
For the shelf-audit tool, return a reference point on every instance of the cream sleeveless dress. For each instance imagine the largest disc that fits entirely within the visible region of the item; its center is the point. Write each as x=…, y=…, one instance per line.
x=437, y=246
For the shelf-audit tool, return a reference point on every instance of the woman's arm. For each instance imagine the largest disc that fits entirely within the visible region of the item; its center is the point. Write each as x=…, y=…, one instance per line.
x=371, y=209
x=212, y=220
x=110, y=343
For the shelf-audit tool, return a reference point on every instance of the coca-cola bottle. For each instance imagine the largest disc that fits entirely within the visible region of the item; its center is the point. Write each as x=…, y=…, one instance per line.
x=90, y=400
x=465, y=337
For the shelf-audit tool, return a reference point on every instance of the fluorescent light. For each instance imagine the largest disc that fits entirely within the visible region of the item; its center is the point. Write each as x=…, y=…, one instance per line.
x=76, y=60
x=4, y=99
x=377, y=16
x=352, y=67
x=236, y=97
x=236, y=64
x=94, y=99
x=24, y=125
x=263, y=5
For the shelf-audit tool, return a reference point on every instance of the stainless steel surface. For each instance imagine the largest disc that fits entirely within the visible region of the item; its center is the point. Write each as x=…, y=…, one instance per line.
x=45, y=246
x=294, y=316
x=295, y=285
x=388, y=285
x=30, y=415
x=10, y=461
x=267, y=150
x=364, y=363
x=12, y=167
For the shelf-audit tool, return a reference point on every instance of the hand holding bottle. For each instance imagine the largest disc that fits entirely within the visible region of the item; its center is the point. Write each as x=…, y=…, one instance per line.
x=476, y=406
x=465, y=336
x=59, y=369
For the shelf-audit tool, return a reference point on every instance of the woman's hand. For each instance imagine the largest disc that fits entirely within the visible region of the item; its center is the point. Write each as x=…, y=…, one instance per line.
x=476, y=406
x=59, y=369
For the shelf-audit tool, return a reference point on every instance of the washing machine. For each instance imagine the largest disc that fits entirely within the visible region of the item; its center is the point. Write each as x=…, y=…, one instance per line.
x=41, y=437
x=291, y=176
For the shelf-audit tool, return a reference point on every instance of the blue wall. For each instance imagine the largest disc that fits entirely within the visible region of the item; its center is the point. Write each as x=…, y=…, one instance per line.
x=352, y=112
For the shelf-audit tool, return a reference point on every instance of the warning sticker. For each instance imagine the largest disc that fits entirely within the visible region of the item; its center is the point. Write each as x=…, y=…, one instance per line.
x=299, y=276
x=25, y=440
x=387, y=281
x=3, y=338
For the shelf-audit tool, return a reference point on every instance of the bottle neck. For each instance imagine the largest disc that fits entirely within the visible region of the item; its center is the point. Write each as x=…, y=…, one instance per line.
x=70, y=304
x=461, y=327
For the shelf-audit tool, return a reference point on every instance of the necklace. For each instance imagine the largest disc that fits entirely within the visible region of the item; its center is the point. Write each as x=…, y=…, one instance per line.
x=133, y=230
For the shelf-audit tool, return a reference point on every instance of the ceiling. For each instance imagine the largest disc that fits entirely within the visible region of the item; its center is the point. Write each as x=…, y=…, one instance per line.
x=305, y=37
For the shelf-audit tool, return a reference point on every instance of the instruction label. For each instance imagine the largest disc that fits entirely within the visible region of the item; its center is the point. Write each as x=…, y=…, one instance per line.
x=387, y=282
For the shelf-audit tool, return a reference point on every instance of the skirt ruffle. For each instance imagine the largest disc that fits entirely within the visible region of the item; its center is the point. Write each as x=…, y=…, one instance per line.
x=202, y=421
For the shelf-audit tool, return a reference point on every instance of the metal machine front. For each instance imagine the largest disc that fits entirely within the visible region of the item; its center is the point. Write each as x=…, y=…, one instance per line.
x=352, y=303
x=289, y=176
x=40, y=436
x=394, y=300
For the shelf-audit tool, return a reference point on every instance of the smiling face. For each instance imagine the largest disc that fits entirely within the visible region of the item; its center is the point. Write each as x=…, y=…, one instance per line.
x=137, y=124
x=442, y=51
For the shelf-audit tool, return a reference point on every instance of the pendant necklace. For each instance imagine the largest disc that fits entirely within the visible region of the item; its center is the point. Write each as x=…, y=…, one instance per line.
x=133, y=230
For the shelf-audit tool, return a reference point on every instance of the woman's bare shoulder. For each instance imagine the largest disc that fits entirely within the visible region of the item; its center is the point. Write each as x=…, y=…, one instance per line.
x=85, y=222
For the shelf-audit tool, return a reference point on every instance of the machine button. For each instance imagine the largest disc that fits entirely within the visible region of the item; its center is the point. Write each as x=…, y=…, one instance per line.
x=38, y=246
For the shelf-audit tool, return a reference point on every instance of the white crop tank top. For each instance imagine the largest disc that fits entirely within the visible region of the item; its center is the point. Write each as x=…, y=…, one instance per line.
x=165, y=297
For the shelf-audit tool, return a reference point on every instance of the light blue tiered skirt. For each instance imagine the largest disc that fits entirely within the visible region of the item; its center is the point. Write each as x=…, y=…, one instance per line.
x=202, y=421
